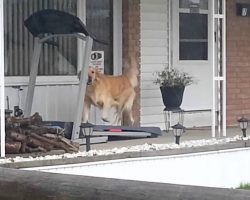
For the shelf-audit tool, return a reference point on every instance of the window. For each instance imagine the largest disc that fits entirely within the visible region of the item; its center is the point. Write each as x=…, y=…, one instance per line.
x=99, y=21
x=54, y=60
x=193, y=30
x=60, y=60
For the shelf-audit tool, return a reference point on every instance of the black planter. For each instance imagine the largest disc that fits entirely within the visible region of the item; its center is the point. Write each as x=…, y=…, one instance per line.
x=172, y=96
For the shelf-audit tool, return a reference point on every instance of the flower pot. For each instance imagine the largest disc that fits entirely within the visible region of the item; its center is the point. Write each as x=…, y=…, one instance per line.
x=172, y=96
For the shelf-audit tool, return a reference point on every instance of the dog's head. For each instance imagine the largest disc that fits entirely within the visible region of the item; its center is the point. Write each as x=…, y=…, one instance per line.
x=93, y=75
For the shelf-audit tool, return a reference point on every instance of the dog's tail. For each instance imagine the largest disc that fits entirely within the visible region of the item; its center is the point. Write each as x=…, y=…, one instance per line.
x=132, y=72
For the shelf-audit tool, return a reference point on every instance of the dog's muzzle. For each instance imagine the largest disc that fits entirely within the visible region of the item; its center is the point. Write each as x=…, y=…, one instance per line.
x=89, y=81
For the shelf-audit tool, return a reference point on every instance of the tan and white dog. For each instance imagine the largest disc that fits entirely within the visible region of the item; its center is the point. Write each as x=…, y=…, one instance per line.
x=107, y=91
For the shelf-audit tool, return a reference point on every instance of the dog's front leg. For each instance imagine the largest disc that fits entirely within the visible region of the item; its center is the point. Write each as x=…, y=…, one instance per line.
x=106, y=107
x=105, y=113
x=86, y=109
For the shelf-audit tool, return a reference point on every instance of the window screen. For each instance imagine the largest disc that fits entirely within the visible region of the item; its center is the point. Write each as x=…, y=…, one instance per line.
x=99, y=20
x=60, y=60
x=193, y=35
x=193, y=29
x=19, y=43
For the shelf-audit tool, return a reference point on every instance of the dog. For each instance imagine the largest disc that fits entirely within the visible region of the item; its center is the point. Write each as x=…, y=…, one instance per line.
x=107, y=91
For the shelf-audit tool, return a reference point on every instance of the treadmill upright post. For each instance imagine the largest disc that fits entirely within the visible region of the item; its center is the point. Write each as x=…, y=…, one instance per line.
x=33, y=75
x=82, y=88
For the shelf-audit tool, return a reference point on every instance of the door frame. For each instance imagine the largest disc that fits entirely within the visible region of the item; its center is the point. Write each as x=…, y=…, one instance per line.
x=218, y=107
x=117, y=44
x=175, y=38
x=117, y=32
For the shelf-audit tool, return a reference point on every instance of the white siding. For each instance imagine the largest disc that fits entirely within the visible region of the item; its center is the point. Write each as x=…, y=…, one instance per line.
x=154, y=57
x=53, y=102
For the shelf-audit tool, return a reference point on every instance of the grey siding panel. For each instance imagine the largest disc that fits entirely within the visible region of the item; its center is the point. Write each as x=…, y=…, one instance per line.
x=154, y=57
x=52, y=102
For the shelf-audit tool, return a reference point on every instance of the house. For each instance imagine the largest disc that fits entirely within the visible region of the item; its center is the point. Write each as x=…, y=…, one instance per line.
x=206, y=38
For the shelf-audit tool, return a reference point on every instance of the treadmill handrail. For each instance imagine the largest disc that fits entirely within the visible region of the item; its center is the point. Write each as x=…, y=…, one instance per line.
x=44, y=39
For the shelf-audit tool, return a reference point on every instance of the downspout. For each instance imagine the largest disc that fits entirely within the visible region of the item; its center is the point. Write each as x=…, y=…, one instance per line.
x=2, y=99
x=224, y=122
x=213, y=71
x=170, y=39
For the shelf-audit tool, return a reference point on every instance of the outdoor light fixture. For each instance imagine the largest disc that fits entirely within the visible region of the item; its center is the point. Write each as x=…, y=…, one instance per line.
x=86, y=129
x=178, y=130
x=243, y=122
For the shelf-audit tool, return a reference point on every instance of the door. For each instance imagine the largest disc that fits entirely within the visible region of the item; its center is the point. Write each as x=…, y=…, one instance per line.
x=192, y=50
x=104, y=18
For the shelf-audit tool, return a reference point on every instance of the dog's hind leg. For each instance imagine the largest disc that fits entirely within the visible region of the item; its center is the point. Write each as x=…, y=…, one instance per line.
x=108, y=106
x=127, y=110
x=129, y=116
x=86, y=109
x=118, y=117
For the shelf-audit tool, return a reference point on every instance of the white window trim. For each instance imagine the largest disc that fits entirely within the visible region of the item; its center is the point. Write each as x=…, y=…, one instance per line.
x=117, y=37
x=175, y=38
x=41, y=80
x=73, y=80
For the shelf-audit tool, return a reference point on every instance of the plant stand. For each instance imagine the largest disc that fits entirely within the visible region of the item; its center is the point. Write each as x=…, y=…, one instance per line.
x=168, y=116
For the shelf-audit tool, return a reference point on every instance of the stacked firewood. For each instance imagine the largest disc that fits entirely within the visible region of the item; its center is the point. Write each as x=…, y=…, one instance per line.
x=27, y=135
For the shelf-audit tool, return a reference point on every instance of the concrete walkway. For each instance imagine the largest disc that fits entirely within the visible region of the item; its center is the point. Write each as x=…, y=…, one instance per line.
x=190, y=134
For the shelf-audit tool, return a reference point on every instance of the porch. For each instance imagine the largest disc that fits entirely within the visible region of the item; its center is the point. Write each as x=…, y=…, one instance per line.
x=218, y=103
x=191, y=135
x=189, y=141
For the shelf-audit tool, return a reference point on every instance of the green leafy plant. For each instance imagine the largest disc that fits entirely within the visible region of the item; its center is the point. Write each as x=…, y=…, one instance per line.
x=245, y=186
x=173, y=78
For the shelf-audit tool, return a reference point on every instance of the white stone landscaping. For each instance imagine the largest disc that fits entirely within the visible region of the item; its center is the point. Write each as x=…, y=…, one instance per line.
x=137, y=148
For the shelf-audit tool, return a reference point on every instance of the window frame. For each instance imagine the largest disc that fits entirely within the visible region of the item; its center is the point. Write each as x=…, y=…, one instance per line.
x=175, y=37
x=72, y=79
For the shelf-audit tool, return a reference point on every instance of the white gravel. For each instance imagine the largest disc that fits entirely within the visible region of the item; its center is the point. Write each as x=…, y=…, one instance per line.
x=137, y=148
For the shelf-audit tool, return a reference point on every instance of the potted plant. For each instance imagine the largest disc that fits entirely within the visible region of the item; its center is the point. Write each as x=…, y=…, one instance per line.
x=172, y=84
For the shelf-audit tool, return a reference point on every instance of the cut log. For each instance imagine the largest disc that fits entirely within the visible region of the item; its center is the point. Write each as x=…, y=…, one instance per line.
x=66, y=141
x=57, y=144
x=72, y=145
x=23, y=147
x=37, y=149
x=35, y=143
x=17, y=136
x=13, y=147
x=40, y=130
x=19, y=121
x=31, y=135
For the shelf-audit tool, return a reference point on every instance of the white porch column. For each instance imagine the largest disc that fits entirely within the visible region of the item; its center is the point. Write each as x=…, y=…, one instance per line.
x=219, y=67
x=213, y=71
x=2, y=95
x=117, y=37
x=224, y=102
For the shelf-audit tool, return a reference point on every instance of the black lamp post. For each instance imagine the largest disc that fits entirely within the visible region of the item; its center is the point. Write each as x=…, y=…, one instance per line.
x=87, y=129
x=243, y=122
x=178, y=130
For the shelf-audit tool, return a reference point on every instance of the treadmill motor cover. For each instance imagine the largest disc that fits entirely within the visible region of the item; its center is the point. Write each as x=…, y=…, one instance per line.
x=54, y=22
x=51, y=21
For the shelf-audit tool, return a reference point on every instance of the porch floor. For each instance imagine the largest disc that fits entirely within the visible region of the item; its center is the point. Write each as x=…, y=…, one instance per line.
x=166, y=137
x=57, y=157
